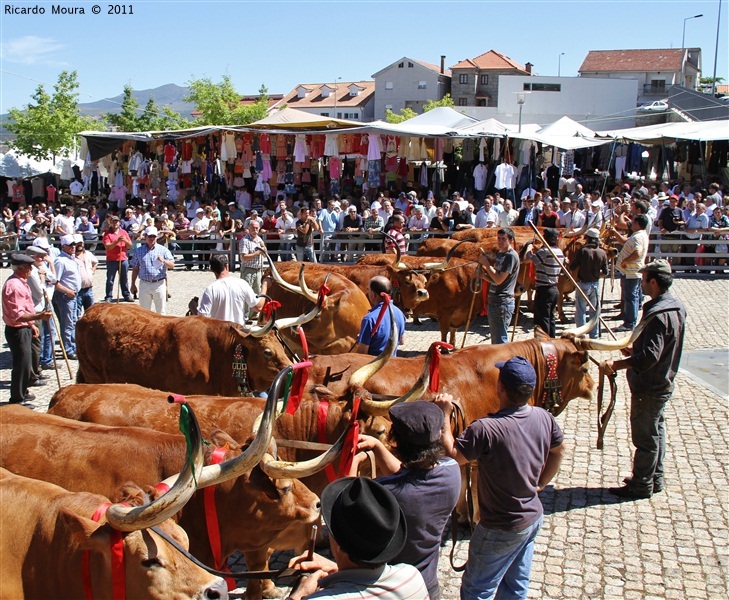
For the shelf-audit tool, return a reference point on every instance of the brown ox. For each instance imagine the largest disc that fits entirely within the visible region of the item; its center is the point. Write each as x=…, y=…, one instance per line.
x=255, y=511
x=45, y=531
x=410, y=284
x=336, y=328
x=120, y=343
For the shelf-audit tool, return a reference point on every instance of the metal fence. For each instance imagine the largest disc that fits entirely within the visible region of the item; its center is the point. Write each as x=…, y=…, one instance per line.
x=692, y=258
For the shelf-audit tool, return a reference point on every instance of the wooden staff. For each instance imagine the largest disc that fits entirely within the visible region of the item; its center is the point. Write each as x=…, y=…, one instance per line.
x=60, y=341
x=572, y=279
x=53, y=353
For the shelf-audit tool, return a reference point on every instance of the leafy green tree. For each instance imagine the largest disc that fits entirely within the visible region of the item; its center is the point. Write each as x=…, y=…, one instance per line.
x=444, y=101
x=706, y=84
x=46, y=127
x=128, y=118
x=154, y=118
x=404, y=114
x=219, y=103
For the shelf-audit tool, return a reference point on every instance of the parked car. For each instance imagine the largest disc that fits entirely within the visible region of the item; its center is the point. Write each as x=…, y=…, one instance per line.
x=656, y=106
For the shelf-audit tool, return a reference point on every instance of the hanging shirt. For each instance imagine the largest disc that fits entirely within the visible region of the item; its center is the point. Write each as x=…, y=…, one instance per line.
x=479, y=177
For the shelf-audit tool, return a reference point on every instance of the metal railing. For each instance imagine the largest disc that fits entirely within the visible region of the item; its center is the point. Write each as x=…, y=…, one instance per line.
x=688, y=257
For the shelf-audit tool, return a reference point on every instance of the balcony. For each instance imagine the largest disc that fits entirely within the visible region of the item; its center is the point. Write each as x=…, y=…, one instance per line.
x=653, y=90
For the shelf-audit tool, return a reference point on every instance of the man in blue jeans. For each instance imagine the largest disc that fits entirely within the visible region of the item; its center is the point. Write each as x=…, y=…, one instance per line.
x=588, y=265
x=502, y=272
x=519, y=449
x=68, y=285
x=629, y=262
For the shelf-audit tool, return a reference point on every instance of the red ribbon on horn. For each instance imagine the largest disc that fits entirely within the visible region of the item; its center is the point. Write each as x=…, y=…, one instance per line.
x=296, y=394
x=435, y=365
x=350, y=442
x=484, y=298
x=118, y=571
x=269, y=307
x=323, y=292
x=211, y=520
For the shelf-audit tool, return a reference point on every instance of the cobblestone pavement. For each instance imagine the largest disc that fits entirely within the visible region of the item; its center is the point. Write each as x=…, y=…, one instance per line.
x=675, y=545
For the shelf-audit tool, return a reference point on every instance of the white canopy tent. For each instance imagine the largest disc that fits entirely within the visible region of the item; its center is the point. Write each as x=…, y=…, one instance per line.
x=704, y=131
x=16, y=165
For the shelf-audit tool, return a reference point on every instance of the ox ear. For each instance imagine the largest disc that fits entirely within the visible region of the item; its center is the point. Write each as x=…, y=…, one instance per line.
x=133, y=495
x=321, y=392
x=220, y=439
x=264, y=483
x=236, y=329
x=540, y=334
x=82, y=532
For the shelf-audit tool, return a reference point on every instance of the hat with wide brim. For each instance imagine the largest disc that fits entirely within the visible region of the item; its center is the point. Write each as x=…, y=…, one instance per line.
x=365, y=519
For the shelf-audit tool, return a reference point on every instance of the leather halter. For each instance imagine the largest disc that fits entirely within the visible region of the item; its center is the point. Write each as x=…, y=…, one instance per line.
x=552, y=396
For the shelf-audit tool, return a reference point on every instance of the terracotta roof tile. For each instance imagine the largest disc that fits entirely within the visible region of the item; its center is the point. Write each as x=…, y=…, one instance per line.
x=490, y=60
x=343, y=99
x=667, y=59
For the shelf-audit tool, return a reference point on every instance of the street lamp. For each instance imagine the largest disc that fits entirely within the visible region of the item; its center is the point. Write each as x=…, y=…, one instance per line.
x=335, y=96
x=559, y=64
x=520, y=100
x=683, y=35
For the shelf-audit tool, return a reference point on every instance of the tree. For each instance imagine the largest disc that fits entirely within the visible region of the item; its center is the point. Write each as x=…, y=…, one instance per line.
x=220, y=104
x=128, y=118
x=46, y=127
x=706, y=84
x=161, y=119
x=444, y=101
x=405, y=114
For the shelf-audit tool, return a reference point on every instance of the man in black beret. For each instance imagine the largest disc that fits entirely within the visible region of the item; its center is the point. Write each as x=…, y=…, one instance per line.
x=18, y=316
x=367, y=530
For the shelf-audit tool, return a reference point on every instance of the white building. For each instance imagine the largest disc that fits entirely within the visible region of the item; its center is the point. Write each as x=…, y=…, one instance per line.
x=596, y=103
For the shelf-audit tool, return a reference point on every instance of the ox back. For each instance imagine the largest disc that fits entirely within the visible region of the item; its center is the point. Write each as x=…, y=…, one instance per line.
x=120, y=343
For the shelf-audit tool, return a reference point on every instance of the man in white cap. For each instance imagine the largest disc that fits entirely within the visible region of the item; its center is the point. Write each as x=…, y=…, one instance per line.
x=87, y=264
x=150, y=263
x=68, y=285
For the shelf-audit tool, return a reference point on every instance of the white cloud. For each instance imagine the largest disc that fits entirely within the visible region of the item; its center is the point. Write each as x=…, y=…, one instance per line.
x=31, y=50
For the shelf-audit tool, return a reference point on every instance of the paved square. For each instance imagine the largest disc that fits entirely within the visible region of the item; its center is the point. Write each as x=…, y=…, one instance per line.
x=675, y=545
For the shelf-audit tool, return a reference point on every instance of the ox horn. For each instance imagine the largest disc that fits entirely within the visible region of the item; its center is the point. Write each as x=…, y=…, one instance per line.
x=366, y=372
x=381, y=407
x=305, y=318
x=610, y=345
x=397, y=264
x=280, y=469
x=287, y=286
x=259, y=331
x=578, y=331
x=124, y=518
x=443, y=265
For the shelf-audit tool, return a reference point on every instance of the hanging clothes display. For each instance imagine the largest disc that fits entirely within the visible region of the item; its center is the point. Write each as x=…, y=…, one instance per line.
x=300, y=148
x=374, y=147
x=331, y=144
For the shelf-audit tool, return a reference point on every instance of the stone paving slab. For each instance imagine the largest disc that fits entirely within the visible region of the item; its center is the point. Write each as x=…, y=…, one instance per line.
x=675, y=545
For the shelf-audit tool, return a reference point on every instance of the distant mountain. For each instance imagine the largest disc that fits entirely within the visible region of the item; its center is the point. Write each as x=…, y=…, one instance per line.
x=165, y=95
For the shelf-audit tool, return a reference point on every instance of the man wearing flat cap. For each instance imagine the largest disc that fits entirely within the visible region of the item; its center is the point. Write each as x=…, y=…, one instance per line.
x=652, y=364
x=19, y=315
x=367, y=530
x=519, y=449
x=425, y=482
x=68, y=285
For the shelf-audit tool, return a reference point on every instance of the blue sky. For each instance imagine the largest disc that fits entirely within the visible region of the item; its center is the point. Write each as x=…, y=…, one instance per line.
x=285, y=43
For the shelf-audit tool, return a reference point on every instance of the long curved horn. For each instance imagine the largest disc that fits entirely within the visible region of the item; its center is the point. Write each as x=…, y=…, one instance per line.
x=365, y=372
x=303, y=285
x=281, y=469
x=259, y=331
x=443, y=265
x=397, y=264
x=611, y=345
x=578, y=331
x=301, y=319
x=124, y=518
x=285, y=285
x=381, y=407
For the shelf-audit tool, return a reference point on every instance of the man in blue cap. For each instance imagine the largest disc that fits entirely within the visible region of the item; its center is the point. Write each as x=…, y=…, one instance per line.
x=519, y=449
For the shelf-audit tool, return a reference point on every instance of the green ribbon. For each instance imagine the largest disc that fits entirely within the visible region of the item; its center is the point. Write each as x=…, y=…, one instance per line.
x=185, y=427
x=287, y=389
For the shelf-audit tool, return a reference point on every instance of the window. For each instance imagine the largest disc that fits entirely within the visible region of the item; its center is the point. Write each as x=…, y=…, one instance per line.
x=481, y=102
x=658, y=84
x=463, y=78
x=422, y=85
x=401, y=65
x=339, y=115
x=484, y=79
x=543, y=87
x=388, y=106
x=410, y=65
x=388, y=85
x=462, y=102
x=324, y=114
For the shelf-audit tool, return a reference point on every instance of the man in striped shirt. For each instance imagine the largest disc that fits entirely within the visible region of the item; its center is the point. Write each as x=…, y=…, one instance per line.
x=150, y=263
x=398, y=222
x=547, y=275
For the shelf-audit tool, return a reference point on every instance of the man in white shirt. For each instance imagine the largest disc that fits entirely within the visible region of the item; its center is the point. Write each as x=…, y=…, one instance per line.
x=64, y=223
x=286, y=228
x=508, y=216
x=486, y=216
x=460, y=201
x=228, y=298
